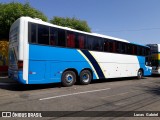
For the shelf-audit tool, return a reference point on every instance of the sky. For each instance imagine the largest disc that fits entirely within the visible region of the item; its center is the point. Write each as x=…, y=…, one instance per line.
x=137, y=21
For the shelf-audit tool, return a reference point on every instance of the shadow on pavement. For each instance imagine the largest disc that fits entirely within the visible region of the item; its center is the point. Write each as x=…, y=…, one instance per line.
x=8, y=84
x=155, y=75
x=12, y=85
x=154, y=90
x=115, y=79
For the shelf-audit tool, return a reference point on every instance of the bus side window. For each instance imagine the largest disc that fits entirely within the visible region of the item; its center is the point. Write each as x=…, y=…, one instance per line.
x=129, y=49
x=123, y=48
x=117, y=46
x=53, y=36
x=112, y=46
x=139, y=51
x=89, y=42
x=106, y=45
x=97, y=44
x=81, y=42
x=43, y=34
x=133, y=50
x=71, y=39
x=120, y=49
x=61, y=38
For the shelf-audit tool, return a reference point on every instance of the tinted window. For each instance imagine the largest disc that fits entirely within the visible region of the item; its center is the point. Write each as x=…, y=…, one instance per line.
x=144, y=52
x=61, y=38
x=80, y=41
x=118, y=47
x=139, y=50
x=154, y=48
x=43, y=34
x=134, y=50
x=89, y=42
x=71, y=38
x=97, y=44
x=106, y=45
x=129, y=48
x=109, y=45
x=148, y=51
x=32, y=32
x=53, y=36
x=123, y=48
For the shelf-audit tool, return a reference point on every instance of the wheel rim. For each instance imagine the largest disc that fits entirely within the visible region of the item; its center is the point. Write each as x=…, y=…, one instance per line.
x=69, y=78
x=139, y=74
x=85, y=77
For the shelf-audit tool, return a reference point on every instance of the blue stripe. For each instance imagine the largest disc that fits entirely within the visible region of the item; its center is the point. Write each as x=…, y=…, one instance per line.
x=94, y=63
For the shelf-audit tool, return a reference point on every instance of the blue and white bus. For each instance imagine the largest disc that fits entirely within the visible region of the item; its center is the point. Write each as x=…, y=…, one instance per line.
x=40, y=53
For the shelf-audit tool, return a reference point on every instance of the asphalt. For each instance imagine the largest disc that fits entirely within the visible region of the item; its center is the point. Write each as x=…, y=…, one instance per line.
x=99, y=98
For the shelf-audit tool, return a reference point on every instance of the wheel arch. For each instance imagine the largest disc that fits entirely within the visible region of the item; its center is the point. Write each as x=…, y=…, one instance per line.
x=142, y=71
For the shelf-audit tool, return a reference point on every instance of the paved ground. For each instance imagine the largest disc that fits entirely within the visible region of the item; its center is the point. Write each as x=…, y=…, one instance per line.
x=124, y=94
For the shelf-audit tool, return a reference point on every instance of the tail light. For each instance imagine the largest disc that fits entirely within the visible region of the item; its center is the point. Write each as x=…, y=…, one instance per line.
x=20, y=65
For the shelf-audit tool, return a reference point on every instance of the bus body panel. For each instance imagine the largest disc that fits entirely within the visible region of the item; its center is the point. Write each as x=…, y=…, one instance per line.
x=18, y=43
x=26, y=50
x=115, y=65
x=146, y=69
x=118, y=65
x=48, y=68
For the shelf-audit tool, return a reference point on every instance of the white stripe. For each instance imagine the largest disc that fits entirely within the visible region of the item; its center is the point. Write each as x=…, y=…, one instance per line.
x=92, y=53
x=89, y=63
x=65, y=95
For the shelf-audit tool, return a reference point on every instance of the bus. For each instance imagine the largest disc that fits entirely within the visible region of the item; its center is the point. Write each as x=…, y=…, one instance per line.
x=41, y=53
x=155, y=58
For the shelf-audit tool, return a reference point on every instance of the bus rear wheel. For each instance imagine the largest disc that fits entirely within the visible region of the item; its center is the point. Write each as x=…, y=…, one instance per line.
x=85, y=77
x=68, y=78
x=140, y=74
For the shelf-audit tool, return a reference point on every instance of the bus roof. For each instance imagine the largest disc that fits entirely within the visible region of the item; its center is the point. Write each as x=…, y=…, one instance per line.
x=39, y=21
x=154, y=45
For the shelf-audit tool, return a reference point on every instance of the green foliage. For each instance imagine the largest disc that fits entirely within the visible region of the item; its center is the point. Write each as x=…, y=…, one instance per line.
x=12, y=11
x=71, y=23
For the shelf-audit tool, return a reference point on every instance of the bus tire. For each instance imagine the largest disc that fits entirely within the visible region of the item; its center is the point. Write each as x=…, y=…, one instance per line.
x=68, y=78
x=85, y=77
x=140, y=74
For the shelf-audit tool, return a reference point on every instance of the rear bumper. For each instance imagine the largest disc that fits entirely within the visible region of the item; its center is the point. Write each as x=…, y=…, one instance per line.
x=16, y=75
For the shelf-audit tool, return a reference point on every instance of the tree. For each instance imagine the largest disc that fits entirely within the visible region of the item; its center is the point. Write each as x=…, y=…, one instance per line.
x=71, y=23
x=11, y=11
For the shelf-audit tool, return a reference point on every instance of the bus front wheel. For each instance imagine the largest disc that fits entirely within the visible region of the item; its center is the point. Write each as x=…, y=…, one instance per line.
x=140, y=74
x=68, y=78
x=85, y=77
